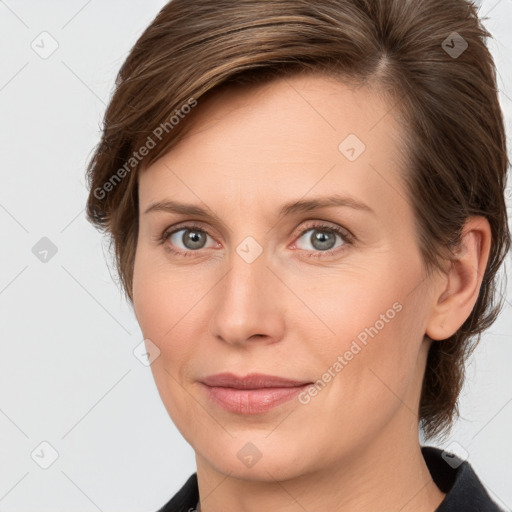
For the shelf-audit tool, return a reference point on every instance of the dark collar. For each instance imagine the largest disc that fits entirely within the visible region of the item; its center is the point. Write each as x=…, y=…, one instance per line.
x=464, y=491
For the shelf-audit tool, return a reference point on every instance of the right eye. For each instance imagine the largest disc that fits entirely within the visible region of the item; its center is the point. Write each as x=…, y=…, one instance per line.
x=192, y=239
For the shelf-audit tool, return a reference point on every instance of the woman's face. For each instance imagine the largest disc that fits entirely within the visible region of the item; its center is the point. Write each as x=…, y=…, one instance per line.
x=265, y=289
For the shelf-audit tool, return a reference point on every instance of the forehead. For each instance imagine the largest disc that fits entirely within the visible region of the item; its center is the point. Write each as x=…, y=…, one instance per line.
x=293, y=135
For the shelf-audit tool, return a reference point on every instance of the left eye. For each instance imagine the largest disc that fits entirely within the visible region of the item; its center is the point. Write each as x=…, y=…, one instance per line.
x=322, y=239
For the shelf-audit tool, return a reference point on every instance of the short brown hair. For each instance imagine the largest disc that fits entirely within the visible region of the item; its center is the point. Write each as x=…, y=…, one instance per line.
x=444, y=93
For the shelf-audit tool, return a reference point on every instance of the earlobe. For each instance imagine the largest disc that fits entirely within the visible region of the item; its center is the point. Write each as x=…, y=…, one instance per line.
x=459, y=287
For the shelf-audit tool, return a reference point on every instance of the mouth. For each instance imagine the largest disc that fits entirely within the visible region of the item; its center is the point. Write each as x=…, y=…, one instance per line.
x=252, y=394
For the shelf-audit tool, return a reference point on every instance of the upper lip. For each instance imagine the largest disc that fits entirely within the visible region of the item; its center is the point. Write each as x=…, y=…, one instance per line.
x=251, y=381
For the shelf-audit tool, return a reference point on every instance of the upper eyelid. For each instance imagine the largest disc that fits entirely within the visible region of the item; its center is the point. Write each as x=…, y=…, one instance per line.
x=311, y=224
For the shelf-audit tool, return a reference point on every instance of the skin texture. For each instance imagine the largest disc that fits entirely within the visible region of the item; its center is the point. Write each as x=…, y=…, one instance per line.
x=353, y=446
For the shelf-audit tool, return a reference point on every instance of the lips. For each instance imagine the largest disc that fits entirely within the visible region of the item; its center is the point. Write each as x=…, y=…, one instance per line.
x=252, y=394
x=252, y=381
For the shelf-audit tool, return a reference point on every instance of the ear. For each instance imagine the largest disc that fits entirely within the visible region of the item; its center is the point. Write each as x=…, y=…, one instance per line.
x=458, y=289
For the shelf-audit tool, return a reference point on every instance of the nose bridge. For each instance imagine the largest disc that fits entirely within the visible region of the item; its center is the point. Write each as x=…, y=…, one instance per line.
x=245, y=303
x=248, y=268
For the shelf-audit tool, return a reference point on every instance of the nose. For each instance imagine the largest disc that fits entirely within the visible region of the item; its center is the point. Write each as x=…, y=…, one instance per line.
x=248, y=303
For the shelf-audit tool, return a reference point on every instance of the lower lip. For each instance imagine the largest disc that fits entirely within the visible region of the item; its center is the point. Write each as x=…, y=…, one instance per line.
x=252, y=401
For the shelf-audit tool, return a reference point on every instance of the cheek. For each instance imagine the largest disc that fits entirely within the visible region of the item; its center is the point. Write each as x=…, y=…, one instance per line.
x=377, y=332
x=169, y=306
x=158, y=293
x=164, y=311
x=370, y=367
x=157, y=300
x=159, y=310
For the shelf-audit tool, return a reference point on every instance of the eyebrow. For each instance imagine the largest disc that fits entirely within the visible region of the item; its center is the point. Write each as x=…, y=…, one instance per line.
x=290, y=208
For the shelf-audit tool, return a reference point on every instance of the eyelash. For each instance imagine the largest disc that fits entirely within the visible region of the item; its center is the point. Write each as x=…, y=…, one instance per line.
x=347, y=237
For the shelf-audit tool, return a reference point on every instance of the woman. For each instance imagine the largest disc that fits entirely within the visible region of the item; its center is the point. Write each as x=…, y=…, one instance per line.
x=307, y=204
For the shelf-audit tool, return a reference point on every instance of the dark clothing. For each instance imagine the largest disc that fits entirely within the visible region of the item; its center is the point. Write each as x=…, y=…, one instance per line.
x=464, y=491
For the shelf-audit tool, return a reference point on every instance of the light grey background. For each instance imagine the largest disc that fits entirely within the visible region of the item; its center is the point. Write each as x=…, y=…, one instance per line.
x=68, y=375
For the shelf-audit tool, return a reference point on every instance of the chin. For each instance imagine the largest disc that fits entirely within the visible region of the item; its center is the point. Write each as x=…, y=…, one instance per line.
x=256, y=458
